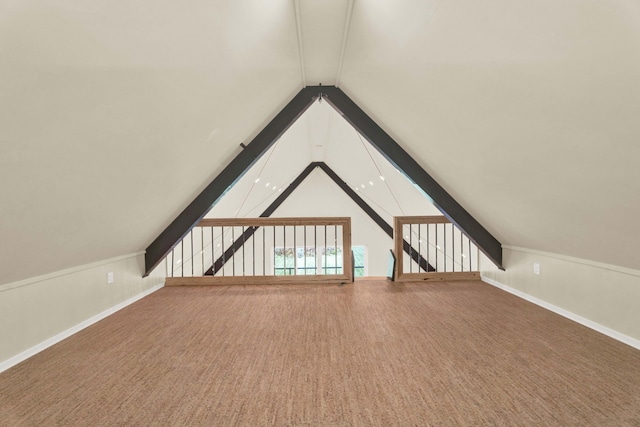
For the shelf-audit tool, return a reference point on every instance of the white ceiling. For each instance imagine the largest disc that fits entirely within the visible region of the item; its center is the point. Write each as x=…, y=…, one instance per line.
x=115, y=115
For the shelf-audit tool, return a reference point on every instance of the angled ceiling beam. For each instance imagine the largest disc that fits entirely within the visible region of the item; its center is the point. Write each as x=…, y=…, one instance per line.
x=402, y=161
x=415, y=255
x=267, y=213
x=240, y=241
x=199, y=207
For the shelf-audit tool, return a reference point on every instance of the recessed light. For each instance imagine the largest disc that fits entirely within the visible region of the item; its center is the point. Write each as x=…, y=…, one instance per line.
x=267, y=184
x=257, y=180
x=362, y=185
x=370, y=182
x=382, y=177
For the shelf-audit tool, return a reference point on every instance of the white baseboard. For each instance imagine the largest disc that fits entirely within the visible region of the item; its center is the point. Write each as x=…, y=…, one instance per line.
x=74, y=329
x=565, y=313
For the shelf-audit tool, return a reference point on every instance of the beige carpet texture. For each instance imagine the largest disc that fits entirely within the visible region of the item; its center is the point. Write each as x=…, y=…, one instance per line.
x=372, y=353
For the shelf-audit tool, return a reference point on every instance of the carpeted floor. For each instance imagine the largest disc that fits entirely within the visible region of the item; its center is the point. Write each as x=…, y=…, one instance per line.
x=369, y=353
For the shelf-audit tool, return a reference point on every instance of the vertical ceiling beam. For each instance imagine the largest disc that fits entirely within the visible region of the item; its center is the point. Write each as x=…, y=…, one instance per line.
x=402, y=161
x=199, y=207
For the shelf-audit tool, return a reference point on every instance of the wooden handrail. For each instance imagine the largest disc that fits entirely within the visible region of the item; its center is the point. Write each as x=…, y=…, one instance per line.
x=433, y=219
x=258, y=222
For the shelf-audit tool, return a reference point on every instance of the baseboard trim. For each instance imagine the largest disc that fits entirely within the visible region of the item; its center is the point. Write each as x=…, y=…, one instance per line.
x=9, y=363
x=565, y=313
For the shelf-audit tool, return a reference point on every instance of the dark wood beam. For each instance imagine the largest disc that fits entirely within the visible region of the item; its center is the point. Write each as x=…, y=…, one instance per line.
x=219, y=263
x=199, y=207
x=366, y=208
x=402, y=161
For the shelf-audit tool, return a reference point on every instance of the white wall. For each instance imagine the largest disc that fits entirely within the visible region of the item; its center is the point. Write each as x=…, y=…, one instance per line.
x=41, y=311
x=602, y=296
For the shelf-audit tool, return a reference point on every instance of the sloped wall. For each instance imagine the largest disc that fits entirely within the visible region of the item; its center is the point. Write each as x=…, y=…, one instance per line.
x=38, y=312
x=601, y=296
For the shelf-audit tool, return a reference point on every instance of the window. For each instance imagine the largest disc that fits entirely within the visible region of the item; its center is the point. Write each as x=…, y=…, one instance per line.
x=319, y=260
x=311, y=260
x=359, y=255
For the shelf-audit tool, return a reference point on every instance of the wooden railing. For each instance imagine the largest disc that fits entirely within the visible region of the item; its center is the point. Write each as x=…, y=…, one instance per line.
x=263, y=251
x=449, y=253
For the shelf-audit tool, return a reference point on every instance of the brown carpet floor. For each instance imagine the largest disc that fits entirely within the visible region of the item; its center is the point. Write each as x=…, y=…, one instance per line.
x=369, y=353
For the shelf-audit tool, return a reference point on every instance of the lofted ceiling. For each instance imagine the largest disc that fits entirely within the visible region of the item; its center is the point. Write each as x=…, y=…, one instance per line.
x=115, y=115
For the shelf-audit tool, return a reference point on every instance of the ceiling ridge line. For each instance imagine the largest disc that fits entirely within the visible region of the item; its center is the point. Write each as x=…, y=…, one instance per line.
x=345, y=36
x=296, y=7
x=327, y=140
